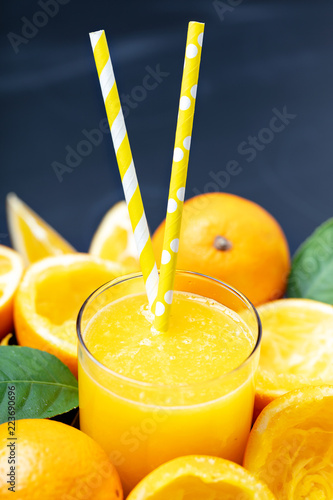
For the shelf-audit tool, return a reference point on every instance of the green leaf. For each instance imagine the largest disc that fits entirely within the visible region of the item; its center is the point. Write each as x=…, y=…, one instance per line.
x=312, y=268
x=44, y=386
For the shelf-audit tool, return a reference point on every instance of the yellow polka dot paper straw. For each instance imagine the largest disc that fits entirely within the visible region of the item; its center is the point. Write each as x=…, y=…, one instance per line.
x=125, y=162
x=179, y=174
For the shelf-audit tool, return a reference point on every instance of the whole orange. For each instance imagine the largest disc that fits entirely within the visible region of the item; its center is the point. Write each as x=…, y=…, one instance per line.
x=48, y=460
x=234, y=240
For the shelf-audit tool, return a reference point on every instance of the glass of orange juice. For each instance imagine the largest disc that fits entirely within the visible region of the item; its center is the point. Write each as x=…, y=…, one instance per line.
x=147, y=396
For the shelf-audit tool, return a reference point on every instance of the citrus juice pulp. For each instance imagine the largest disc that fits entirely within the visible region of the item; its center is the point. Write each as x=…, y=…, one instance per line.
x=148, y=396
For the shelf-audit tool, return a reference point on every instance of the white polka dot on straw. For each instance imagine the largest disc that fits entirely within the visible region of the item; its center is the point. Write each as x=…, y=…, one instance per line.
x=194, y=91
x=168, y=297
x=172, y=205
x=174, y=245
x=184, y=103
x=191, y=50
x=200, y=39
x=166, y=257
x=187, y=142
x=159, y=309
x=181, y=194
x=178, y=154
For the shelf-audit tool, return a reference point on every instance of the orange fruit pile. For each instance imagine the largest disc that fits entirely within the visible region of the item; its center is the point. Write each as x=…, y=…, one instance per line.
x=54, y=461
x=289, y=453
x=234, y=240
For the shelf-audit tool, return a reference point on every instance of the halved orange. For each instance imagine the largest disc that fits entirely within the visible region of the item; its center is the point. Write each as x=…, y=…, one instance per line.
x=291, y=445
x=49, y=298
x=114, y=238
x=30, y=235
x=200, y=477
x=296, y=349
x=11, y=270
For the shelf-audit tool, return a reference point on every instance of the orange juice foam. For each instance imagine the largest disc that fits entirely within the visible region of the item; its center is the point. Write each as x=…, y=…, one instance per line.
x=205, y=340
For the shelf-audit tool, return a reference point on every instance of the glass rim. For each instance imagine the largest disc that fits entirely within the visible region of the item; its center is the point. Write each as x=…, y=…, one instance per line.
x=149, y=385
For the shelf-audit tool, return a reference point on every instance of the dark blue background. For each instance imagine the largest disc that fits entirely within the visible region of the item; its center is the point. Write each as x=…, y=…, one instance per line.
x=262, y=55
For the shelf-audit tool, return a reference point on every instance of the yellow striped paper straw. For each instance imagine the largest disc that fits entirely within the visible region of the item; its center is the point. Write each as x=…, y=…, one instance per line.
x=125, y=162
x=179, y=174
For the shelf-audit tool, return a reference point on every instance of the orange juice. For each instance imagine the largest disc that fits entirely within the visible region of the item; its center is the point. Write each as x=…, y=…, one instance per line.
x=148, y=396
